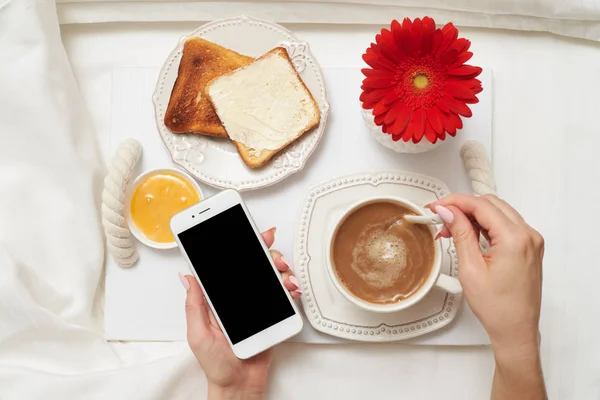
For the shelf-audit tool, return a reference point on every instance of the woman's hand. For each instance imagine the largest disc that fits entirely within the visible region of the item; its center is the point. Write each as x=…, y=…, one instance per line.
x=503, y=286
x=229, y=377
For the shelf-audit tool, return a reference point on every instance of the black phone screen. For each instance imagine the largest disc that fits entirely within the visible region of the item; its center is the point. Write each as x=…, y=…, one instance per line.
x=236, y=274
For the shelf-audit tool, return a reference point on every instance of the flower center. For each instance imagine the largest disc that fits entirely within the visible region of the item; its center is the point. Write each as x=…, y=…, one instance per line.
x=420, y=81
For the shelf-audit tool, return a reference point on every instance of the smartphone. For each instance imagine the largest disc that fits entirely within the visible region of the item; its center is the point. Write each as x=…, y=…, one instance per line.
x=234, y=268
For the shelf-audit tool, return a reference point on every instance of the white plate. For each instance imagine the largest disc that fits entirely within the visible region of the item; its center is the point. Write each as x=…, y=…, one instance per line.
x=326, y=309
x=216, y=161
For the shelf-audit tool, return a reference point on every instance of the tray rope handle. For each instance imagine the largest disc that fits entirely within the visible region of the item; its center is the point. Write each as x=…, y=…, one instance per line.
x=118, y=236
x=479, y=169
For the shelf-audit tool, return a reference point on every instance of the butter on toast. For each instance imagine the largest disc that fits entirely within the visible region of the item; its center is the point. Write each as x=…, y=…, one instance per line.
x=264, y=106
x=189, y=109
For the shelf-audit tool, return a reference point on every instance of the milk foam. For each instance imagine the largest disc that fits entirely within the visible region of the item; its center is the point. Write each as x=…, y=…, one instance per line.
x=380, y=256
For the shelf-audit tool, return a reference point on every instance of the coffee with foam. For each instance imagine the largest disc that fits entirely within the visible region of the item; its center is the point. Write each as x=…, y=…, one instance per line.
x=379, y=257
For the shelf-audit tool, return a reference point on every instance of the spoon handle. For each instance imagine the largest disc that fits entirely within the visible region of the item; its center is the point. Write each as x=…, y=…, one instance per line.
x=424, y=219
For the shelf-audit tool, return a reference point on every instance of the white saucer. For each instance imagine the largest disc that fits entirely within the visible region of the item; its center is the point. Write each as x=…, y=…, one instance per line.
x=326, y=309
x=216, y=161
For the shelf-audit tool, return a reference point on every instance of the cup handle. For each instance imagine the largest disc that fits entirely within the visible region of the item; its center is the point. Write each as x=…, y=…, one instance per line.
x=449, y=284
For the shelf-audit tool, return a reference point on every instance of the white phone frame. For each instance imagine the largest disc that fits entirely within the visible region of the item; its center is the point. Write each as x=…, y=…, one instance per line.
x=205, y=210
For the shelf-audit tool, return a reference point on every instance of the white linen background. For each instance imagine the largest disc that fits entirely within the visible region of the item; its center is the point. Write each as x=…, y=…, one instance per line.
x=51, y=343
x=577, y=18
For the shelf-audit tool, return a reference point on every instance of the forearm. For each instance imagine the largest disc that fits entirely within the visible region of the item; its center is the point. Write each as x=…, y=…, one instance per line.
x=518, y=375
x=219, y=393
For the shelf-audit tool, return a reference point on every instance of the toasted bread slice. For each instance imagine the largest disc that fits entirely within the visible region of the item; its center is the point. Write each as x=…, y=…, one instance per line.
x=264, y=106
x=189, y=109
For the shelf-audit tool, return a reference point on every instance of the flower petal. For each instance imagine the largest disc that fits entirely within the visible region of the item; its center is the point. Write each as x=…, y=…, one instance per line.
x=461, y=59
x=395, y=138
x=402, y=119
x=393, y=112
x=434, y=115
x=381, y=108
x=372, y=93
x=456, y=121
x=405, y=37
x=473, y=84
x=450, y=33
x=396, y=29
x=460, y=45
x=430, y=133
x=378, y=119
x=457, y=107
x=443, y=105
x=376, y=82
x=377, y=72
x=373, y=59
x=407, y=135
x=448, y=57
x=458, y=90
x=465, y=71
x=427, y=35
x=381, y=58
x=436, y=40
x=390, y=97
x=419, y=118
x=449, y=123
x=415, y=34
x=388, y=46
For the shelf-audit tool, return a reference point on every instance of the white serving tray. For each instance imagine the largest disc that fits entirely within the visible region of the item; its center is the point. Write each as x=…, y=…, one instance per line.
x=146, y=302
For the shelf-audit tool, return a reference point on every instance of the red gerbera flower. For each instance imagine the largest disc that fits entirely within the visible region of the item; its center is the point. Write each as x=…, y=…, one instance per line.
x=418, y=84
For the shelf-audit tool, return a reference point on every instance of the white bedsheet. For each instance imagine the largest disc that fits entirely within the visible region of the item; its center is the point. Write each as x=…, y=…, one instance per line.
x=51, y=347
x=576, y=18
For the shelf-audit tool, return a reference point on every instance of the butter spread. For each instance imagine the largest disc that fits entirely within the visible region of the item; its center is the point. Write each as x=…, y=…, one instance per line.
x=264, y=105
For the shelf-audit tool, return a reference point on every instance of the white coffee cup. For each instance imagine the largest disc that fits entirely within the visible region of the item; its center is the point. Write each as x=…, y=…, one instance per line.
x=435, y=278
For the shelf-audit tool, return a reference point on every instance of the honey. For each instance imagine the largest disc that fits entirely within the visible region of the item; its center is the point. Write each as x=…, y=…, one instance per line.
x=156, y=199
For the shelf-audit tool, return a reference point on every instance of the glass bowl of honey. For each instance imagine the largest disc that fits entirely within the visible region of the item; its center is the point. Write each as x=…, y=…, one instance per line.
x=153, y=199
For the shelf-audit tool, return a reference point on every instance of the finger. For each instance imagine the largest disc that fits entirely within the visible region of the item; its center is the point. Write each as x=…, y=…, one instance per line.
x=487, y=215
x=464, y=235
x=505, y=208
x=443, y=232
x=196, y=309
x=280, y=262
x=213, y=320
x=269, y=237
x=290, y=282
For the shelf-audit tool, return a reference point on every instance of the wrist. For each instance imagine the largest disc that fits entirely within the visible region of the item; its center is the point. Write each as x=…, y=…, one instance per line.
x=523, y=352
x=216, y=392
x=517, y=343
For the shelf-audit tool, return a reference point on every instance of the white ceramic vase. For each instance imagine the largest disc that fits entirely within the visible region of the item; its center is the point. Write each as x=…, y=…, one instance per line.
x=399, y=146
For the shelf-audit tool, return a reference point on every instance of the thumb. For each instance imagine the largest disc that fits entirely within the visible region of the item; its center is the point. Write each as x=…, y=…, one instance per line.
x=196, y=309
x=464, y=235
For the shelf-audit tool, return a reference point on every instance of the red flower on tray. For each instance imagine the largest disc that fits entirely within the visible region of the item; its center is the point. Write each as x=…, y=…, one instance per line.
x=418, y=84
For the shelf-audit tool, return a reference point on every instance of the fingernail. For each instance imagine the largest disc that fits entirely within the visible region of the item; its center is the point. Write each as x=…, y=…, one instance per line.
x=445, y=214
x=273, y=229
x=299, y=291
x=286, y=262
x=184, y=281
x=428, y=205
x=438, y=234
x=295, y=281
